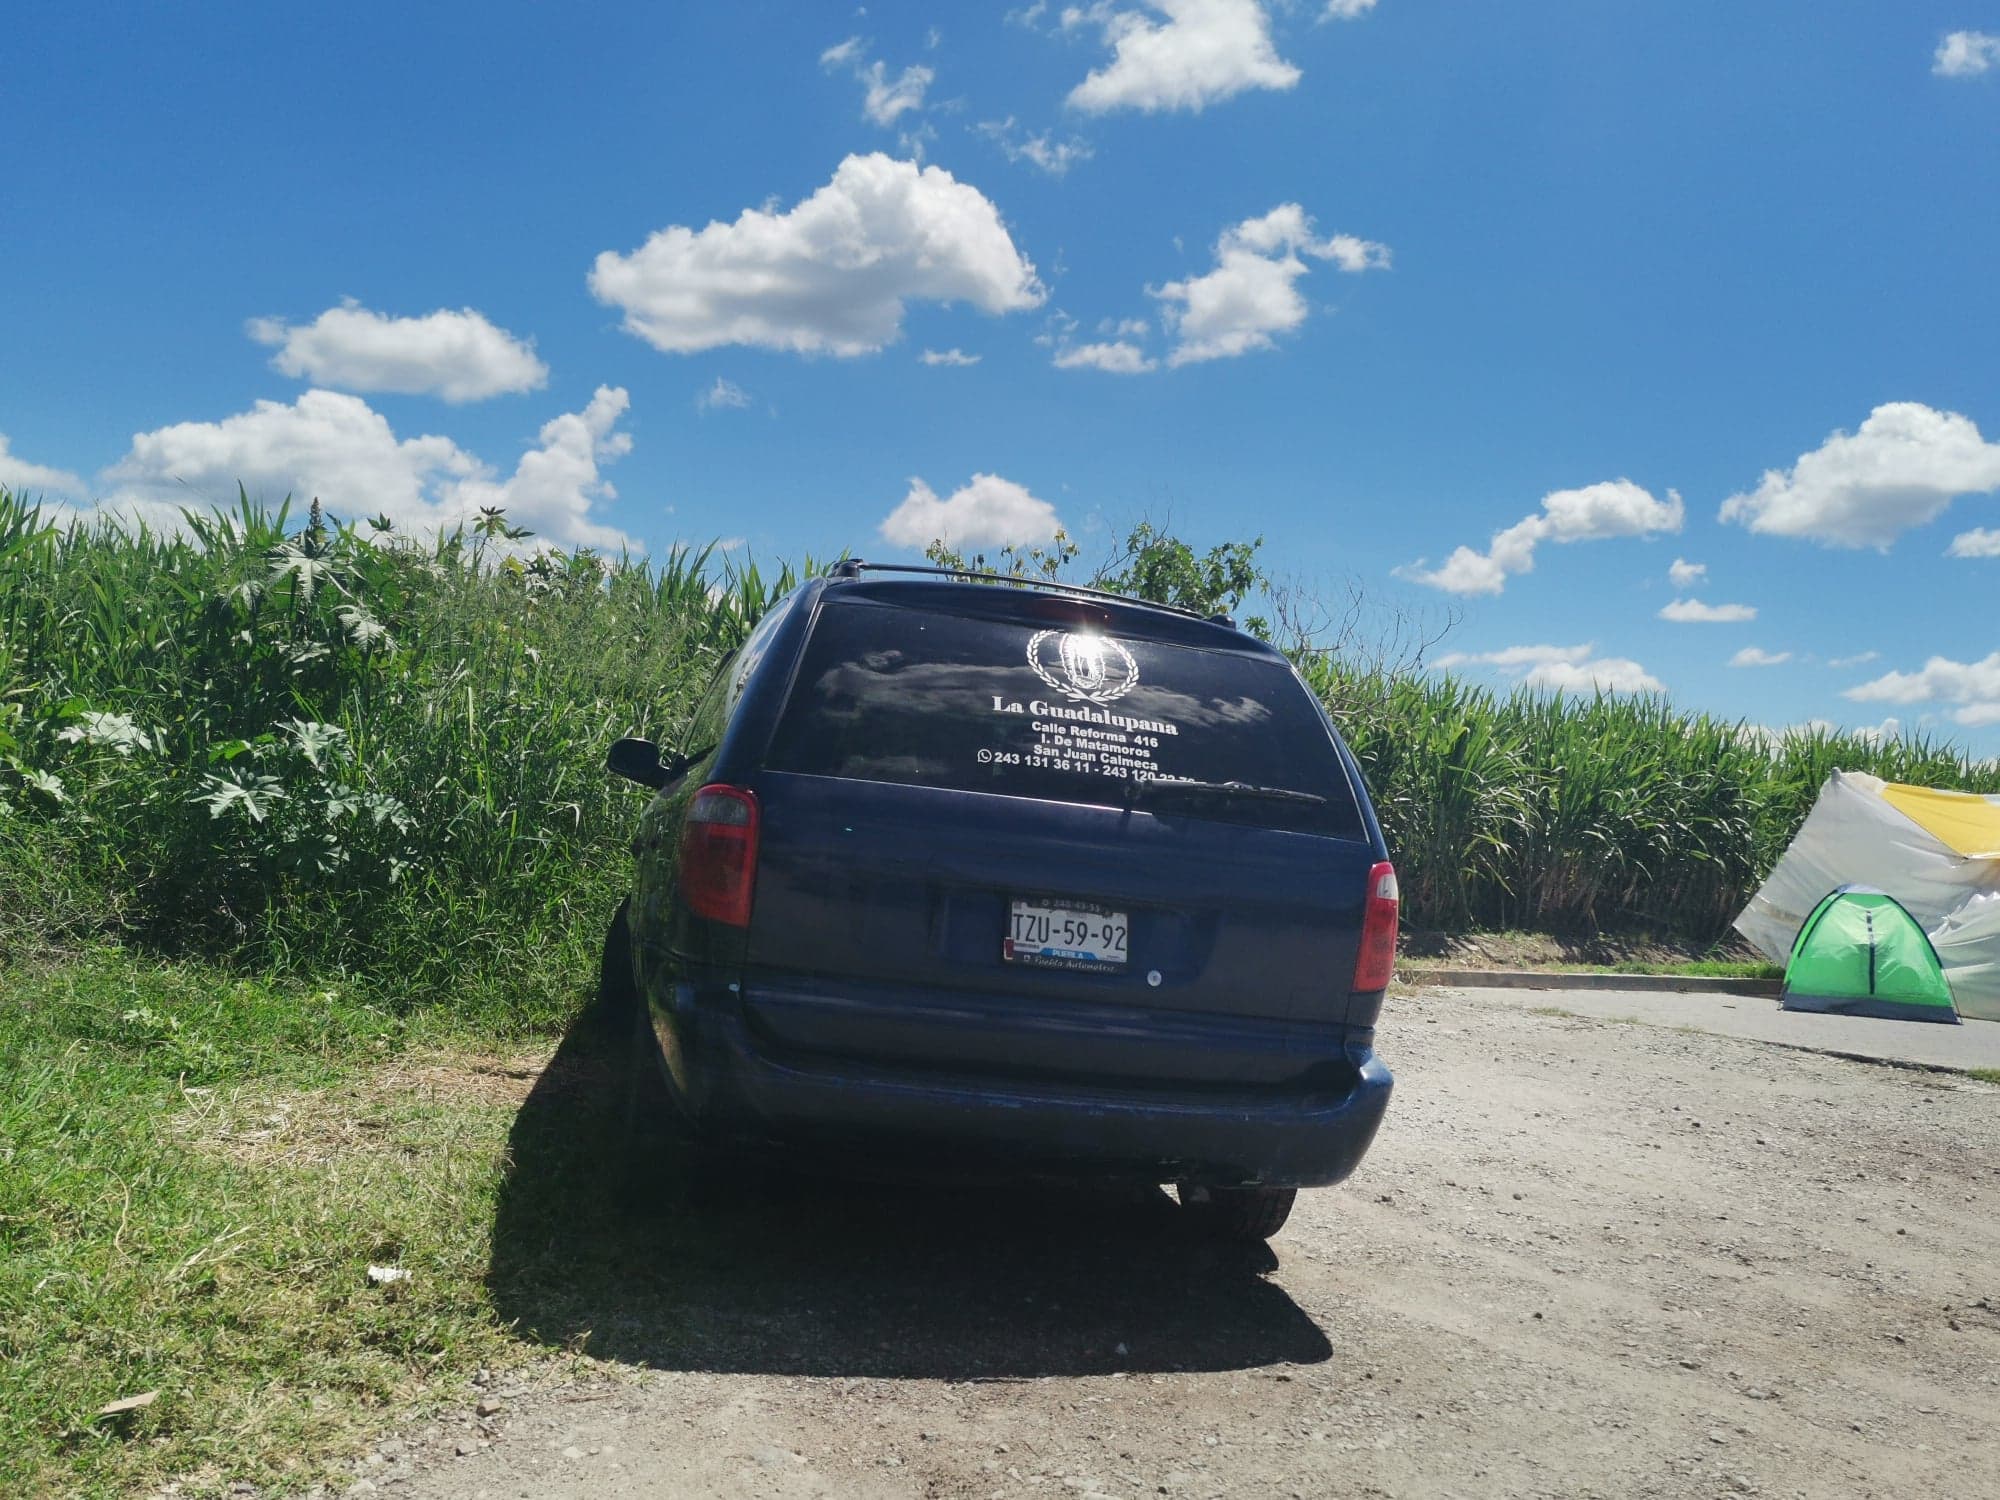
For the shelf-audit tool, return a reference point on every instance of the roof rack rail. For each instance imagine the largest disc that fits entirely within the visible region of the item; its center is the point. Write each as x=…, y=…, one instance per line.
x=854, y=567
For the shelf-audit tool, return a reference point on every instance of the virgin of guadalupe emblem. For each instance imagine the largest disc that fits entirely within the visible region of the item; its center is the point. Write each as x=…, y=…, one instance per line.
x=1086, y=668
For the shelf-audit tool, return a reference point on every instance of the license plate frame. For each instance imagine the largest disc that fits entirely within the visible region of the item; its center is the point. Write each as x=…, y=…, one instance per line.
x=1059, y=932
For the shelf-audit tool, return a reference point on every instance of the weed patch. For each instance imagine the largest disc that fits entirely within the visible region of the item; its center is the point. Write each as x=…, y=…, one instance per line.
x=195, y=1174
x=1697, y=969
x=327, y=749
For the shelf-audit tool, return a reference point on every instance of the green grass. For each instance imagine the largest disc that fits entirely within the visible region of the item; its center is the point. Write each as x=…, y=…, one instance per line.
x=1693, y=969
x=1984, y=1075
x=195, y=1173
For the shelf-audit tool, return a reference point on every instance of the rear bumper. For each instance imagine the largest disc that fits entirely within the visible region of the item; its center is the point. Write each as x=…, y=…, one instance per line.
x=740, y=1089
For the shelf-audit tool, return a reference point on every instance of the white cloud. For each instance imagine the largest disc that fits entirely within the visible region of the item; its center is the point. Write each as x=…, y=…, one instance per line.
x=18, y=476
x=955, y=357
x=1597, y=512
x=884, y=99
x=1904, y=466
x=1978, y=542
x=1604, y=674
x=1685, y=575
x=1202, y=52
x=989, y=511
x=457, y=355
x=335, y=447
x=553, y=486
x=840, y=54
x=1119, y=358
x=1966, y=54
x=724, y=393
x=327, y=444
x=1751, y=656
x=1346, y=10
x=1859, y=659
x=1044, y=150
x=887, y=98
x=1560, y=669
x=1465, y=571
x=829, y=275
x=1875, y=734
x=913, y=143
x=1694, y=612
x=1773, y=738
x=1973, y=686
x=1252, y=293
x=1514, y=660
x=1052, y=156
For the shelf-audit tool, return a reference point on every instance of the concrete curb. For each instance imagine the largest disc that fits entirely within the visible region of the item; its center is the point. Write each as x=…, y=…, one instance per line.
x=1518, y=979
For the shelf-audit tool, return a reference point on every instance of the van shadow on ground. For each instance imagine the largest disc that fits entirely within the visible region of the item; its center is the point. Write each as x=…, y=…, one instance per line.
x=783, y=1274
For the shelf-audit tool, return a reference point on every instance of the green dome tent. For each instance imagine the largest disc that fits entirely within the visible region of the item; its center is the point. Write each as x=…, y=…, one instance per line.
x=1861, y=954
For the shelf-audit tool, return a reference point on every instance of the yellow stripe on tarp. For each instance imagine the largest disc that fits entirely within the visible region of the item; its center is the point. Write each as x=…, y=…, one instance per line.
x=1969, y=824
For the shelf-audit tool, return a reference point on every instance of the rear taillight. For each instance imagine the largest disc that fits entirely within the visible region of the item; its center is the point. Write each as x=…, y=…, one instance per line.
x=718, y=867
x=1377, y=958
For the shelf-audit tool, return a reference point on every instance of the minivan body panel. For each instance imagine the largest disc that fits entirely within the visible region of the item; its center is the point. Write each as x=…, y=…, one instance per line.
x=870, y=1010
x=871, y=1116
x=909, y=888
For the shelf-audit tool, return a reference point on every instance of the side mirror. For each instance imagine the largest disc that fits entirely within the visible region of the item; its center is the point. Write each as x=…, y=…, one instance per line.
x=639, y=760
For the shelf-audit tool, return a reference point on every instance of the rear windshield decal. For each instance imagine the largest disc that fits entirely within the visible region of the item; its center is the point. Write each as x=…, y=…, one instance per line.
x=1076, y=738
x=1060, y=712
x=1084, y=668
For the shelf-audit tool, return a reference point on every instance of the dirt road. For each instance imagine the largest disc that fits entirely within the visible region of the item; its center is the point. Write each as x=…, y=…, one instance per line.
x=1585, y=1258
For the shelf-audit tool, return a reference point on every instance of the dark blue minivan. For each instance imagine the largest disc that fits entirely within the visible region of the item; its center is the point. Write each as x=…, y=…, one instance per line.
x=1019, y=879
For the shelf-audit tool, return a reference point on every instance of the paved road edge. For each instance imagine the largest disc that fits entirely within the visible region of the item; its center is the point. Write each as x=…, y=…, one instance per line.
x=1529, y=979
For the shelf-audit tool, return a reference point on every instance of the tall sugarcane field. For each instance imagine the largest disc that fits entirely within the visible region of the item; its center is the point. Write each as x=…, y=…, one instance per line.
x=293, y=744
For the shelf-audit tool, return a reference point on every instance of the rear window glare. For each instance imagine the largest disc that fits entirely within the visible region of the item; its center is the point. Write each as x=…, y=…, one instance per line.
x=930, y=698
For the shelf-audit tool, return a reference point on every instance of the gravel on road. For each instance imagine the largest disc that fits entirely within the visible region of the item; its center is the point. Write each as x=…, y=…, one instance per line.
x=1585, y=1258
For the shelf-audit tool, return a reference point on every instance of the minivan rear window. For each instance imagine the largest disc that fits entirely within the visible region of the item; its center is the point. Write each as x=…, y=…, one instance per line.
x=976, y=703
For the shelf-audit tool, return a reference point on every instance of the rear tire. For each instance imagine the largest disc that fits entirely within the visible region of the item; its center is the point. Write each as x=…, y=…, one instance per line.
x=1238, y=1214
x=665, y=1159
x=617, y=990
x=645, y=1112
x=645, y=1137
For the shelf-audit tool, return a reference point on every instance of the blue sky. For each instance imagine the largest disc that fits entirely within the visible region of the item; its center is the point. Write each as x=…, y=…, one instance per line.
x=1581, y=289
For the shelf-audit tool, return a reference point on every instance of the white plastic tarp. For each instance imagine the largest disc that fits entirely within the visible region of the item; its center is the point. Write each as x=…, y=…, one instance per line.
x=1968, y=945
x=1853, y=836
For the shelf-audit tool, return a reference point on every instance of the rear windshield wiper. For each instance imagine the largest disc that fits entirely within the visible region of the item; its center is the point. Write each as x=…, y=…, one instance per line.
x=1146, y=791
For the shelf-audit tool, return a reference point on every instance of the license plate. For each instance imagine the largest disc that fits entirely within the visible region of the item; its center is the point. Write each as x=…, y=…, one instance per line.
x=1067, y=935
